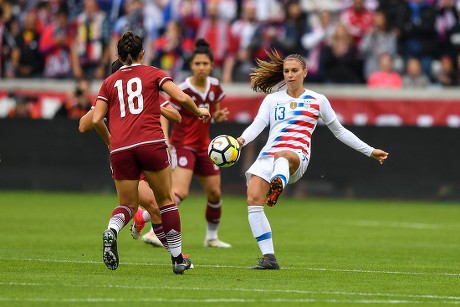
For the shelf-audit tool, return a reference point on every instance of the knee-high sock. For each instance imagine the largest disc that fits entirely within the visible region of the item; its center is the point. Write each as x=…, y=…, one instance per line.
x=171, y=226
x=121, y=216
x=213, y=214
x=261, y=229
x=160, y=233
x=281, y=170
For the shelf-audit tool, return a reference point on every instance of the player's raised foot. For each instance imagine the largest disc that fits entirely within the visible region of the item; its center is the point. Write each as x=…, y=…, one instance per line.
x=181, y=264
x=216, y=243
x=276, y=187
x=151, y=238
x=267, y=262
x=138, y=225
x=110, y=253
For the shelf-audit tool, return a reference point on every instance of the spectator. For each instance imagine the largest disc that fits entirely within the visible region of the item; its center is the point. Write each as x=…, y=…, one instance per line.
x=133, y=20
x=414, y=76
x=386, y=77
x=446, y=19
x=339, y=61
x=358, y=20
x=296, y=25
x=78, y=103
x=243, y=30
x=90, y=53
x=171, y=51
x=315, y=40
x=188, y=12
x=315, y=6
x=8, y=30
x=55, y=45
x=27, y=60
x=418, y=33
x=377, y=41
x=447, y=75
x=217, y=32
x=394, y=13
x=453, y=37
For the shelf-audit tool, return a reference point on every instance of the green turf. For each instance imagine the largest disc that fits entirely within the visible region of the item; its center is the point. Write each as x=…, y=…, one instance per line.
x=331, y=252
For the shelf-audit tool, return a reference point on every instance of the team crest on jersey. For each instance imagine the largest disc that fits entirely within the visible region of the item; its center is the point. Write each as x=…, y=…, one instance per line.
x=193, y=98
x=211, y=96
x=293, y=105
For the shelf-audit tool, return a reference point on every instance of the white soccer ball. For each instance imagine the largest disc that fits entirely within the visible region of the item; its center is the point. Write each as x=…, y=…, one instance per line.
x=224, y=150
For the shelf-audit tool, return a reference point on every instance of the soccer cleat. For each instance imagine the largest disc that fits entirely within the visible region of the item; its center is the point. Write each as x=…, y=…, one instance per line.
x=138, y=225
x=110, y=253
x=216, y=243
x=151, y=238
x=189, y=262
x=180, y=267
x=267, y=262
x=276, y=187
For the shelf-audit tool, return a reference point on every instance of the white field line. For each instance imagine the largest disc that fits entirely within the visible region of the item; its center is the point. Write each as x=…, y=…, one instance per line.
x=389, y=224
x=221, y=300
x=392, y=297
x=241, y=267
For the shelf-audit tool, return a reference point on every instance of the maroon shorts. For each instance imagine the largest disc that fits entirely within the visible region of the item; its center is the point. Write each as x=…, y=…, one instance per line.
x=129, y=164
x=197, y=161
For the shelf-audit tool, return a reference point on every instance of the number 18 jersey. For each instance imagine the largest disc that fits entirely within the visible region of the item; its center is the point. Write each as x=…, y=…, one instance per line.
x=132, y=94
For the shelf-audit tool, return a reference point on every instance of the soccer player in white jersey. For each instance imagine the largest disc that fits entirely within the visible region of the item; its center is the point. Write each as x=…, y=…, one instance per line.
x=292, y=115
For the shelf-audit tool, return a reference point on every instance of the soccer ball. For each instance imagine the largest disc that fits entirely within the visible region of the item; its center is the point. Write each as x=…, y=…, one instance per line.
x=224, y=150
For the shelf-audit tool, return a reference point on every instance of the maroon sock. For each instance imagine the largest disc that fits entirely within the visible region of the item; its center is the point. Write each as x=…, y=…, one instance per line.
x=121, y=216
x=213, y=212
x=171, y=226
x=159, y=232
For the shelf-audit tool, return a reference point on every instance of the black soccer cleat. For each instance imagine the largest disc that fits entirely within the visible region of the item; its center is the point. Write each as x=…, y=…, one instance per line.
x=180, y=266
x=110, y=253
x=267, y=262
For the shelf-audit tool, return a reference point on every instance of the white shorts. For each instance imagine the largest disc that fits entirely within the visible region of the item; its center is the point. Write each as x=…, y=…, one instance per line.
x=263, y=168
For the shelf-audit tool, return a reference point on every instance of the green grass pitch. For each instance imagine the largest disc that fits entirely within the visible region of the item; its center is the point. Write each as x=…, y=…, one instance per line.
x=331, y=252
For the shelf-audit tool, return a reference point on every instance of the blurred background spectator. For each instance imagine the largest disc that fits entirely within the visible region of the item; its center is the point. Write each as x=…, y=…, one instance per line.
x=77, y=103
x=27, y=60
x=90, y=52
x=171, y=51
x=414, y=76
x=217, y=32
x=339, y=61
x=55, y=45
x=342, y=40
x=377, y=41
x=385, y=77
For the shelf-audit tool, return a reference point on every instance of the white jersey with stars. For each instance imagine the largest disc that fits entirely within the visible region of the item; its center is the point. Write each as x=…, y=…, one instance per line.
x=293, y=120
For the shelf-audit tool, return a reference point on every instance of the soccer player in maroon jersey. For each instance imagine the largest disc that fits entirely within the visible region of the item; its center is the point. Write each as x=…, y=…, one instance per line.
x=130, y=99
x=190, y=140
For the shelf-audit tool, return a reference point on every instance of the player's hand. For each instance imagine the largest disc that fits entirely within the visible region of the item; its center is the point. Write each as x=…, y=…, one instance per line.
x=221, y=115
x=204, y=114
x=241, y=141
x=379, y=155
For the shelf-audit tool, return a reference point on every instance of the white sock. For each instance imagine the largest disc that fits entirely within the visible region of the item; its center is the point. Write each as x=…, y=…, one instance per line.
x=281, y=170
x=261, y=229
x=146, y=216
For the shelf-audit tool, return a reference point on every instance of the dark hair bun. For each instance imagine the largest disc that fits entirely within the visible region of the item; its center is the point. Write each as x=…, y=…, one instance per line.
x=201, y=43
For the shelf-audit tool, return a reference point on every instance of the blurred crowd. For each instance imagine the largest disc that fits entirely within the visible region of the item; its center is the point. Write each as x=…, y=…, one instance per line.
x=387, y=43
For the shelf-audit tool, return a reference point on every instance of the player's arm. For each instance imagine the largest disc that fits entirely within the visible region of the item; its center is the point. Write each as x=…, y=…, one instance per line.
x=347, y=137
x=185, y=100
x=170, y=113
x=220, y=114
x=99, y=114
x=86, y=122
